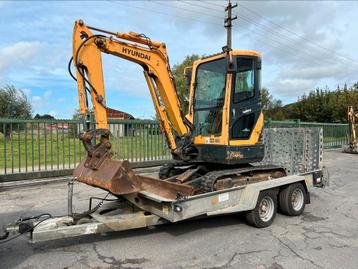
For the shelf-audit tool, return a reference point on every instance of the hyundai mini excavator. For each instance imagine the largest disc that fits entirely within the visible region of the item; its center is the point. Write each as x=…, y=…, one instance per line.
x=218, y=138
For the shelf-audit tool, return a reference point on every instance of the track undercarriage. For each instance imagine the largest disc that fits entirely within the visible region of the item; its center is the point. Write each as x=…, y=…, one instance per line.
x=211, y=177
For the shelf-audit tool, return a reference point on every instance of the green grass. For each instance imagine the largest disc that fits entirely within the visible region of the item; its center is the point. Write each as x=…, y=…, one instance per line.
x=62, y=150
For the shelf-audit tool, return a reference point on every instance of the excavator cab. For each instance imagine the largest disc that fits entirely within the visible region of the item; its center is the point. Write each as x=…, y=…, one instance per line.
x=225, y=106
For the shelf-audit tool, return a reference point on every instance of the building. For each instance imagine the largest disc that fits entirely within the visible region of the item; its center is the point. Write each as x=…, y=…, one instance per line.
x=117, y=114
x=119, y=129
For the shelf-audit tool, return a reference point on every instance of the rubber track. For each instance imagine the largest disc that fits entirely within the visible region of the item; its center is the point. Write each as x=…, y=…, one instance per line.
x=206, y=183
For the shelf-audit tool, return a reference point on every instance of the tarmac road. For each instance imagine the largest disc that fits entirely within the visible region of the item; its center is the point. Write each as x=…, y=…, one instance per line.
x=325, y=236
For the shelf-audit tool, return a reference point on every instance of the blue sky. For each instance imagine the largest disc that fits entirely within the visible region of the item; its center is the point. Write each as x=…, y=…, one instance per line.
x=304, y=45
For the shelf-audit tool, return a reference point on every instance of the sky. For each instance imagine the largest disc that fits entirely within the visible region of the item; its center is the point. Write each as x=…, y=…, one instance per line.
x=304, y=45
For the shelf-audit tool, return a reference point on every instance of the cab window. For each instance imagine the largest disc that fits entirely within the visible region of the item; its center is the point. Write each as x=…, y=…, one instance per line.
x=209, y=97
x=244, y=80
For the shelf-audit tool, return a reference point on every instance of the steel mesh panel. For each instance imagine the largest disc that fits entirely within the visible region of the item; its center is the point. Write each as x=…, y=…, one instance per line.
x=298, y=150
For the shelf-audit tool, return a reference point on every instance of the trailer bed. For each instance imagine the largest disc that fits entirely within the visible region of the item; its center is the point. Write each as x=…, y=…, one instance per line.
x=145, y=209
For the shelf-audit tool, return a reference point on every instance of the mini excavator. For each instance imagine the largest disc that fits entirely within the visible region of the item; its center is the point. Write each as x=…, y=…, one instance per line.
x=219, y=136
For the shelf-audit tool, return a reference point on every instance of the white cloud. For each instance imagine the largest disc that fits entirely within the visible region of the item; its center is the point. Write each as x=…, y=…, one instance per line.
x=17, y=54
x=53, y=113
x=36, y=100
x=311, y=72
x=4, y=3
x=291, y=88
x=47, y=94
x=39, y=102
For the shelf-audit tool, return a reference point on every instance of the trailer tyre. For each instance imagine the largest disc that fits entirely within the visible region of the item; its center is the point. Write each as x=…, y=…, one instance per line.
x=265, y=211
x=292, y=199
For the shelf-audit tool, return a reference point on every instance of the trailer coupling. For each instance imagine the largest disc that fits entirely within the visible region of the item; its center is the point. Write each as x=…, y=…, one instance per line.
x=22, y=226
x=116, y=176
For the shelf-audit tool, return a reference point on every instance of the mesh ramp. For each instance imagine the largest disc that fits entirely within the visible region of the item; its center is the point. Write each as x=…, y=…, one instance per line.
x=297, y=150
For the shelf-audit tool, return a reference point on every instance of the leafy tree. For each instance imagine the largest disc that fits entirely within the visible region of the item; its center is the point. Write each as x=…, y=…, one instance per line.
x=271, y=107
x=324, y=105
x=181, y=87
x=13, y=104
x=76, y=115
x=44, y=117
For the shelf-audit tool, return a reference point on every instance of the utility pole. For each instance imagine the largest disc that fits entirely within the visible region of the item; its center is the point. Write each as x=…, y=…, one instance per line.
x=228, y=24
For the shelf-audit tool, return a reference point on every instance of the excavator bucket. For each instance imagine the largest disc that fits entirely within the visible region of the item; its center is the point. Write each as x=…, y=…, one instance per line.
x=116, y=176
x=112, y=175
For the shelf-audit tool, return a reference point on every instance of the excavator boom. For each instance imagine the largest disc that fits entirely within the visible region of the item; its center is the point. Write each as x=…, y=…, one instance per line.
x=137, y=48
x=98, y=169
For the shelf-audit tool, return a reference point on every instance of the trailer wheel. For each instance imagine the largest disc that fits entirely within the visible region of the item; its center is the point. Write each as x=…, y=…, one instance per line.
x=292, y=199
x=265, y=211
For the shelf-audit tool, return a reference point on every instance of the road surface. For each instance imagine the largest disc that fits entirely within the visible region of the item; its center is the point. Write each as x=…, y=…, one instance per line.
x=325, y=236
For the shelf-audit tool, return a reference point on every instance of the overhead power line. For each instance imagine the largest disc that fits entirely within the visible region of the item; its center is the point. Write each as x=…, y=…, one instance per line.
x=163, y=13
x=215, y=4
x=284, y=36
x=294, y=33
x=194, y=11
x=290, y=43
x=205, y=7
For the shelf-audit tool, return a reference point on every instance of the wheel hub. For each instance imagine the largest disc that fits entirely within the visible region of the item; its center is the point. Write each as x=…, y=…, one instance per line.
x=266, y=209
x=297, y=199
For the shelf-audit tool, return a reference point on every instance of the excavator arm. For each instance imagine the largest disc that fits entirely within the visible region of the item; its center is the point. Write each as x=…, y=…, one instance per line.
x=151, y=55
x=98, y=169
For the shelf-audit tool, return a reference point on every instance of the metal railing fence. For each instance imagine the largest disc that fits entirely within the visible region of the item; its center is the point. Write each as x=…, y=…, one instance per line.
x=335, y=135
x=28, y=146
x=52, y=147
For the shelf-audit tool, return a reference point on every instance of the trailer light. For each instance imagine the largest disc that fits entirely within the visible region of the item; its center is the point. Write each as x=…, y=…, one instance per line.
x=178, y=208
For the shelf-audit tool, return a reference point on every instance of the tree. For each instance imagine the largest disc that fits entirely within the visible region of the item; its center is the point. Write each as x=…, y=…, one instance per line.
x=181, y=87
x=77, y=115
x=271, y=107
x=13, y=104
x=44, y=117
x=324, y=105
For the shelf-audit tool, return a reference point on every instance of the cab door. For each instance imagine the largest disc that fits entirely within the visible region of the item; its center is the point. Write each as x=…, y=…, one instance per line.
x=246, y=119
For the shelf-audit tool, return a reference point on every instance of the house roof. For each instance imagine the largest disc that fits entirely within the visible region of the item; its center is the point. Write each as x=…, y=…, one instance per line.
x=117, y=114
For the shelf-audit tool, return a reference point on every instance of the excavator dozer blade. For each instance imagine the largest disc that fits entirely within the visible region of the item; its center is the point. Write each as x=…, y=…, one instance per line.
x=117, y=177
